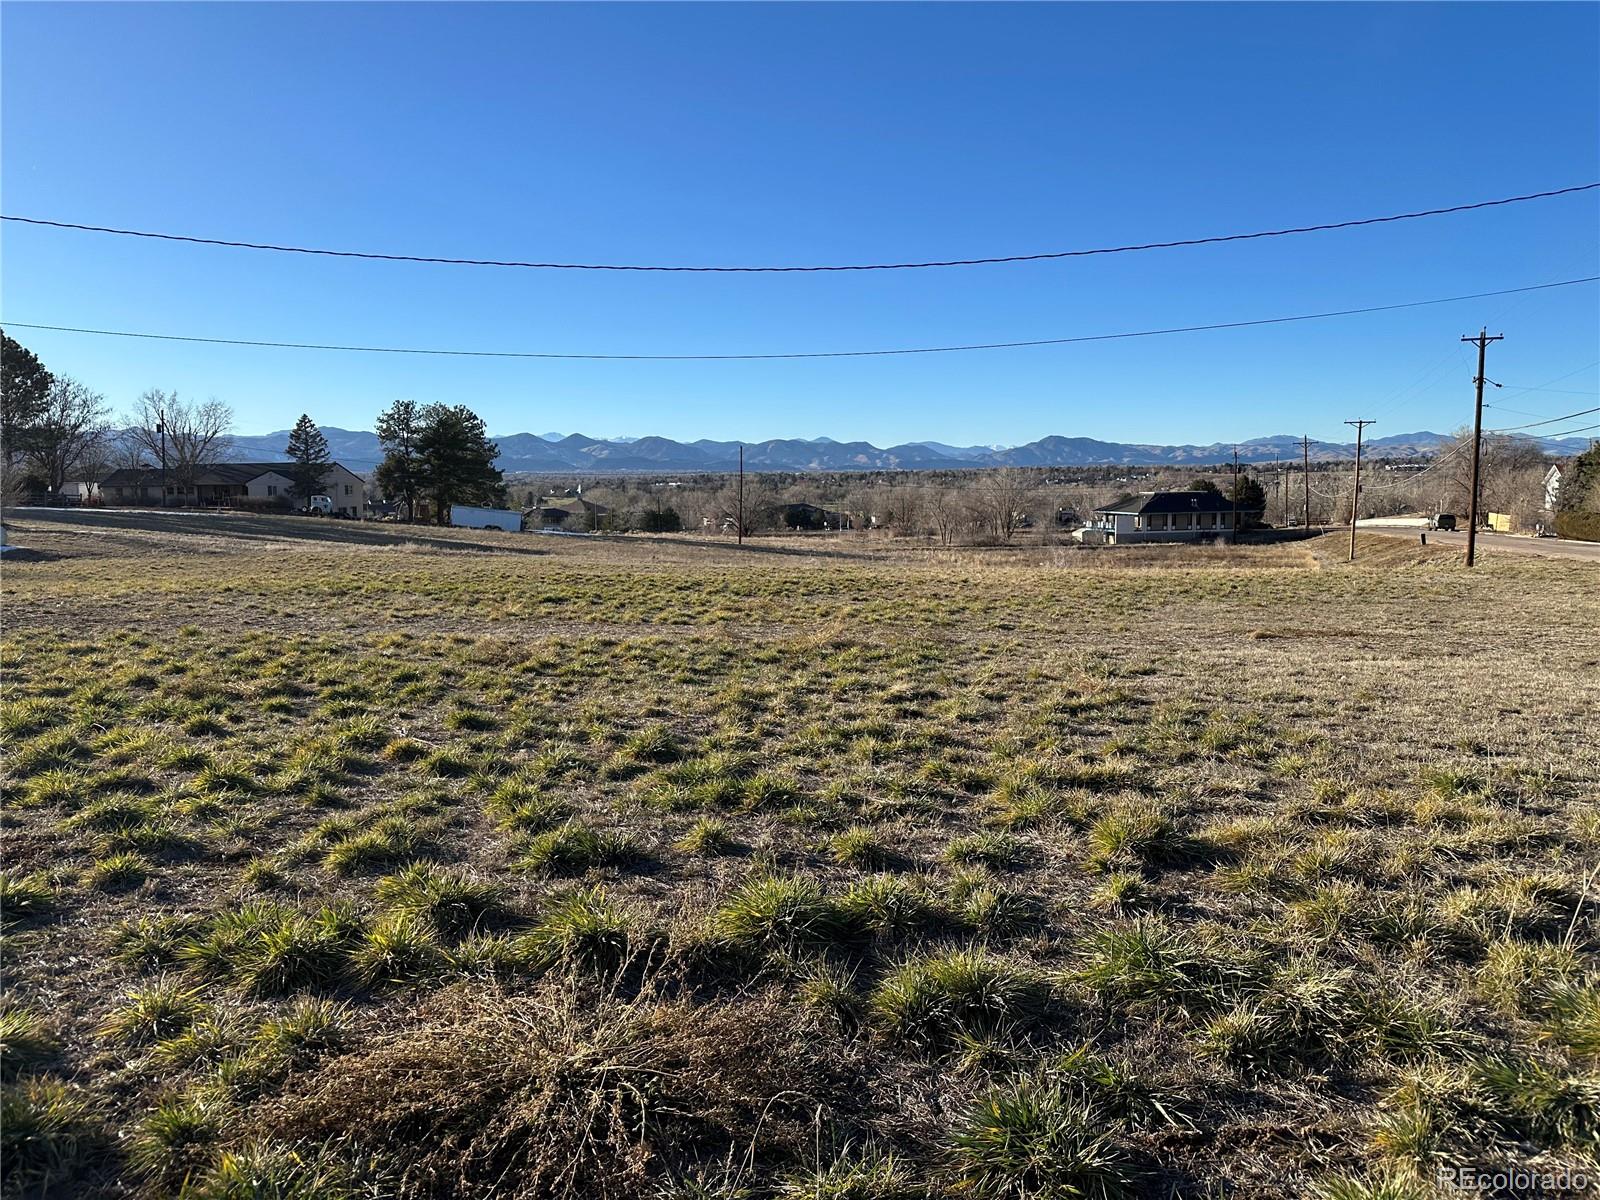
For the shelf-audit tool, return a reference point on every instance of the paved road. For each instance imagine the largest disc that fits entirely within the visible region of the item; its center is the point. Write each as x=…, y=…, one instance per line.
x=1497, y=542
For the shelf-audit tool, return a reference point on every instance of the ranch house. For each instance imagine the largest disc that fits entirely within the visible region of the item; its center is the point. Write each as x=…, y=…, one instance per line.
x=1166, y=517
x=234, y=485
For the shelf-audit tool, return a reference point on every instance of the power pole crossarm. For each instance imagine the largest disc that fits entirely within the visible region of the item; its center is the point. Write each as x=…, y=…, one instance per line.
x=1355, y=496
x=1482, y=342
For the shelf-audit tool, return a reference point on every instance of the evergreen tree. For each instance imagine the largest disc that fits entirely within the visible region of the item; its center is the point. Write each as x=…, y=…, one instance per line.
x=400, y=475
x=24, y=391
x=1251, y=499
x=309, y=451
x=457, y=459
x=1205, y=485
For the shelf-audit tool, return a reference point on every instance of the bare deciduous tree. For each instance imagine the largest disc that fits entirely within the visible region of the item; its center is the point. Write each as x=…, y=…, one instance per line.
x=946, y=515
x=65, y=431
x=196, y=435
x=998, y=498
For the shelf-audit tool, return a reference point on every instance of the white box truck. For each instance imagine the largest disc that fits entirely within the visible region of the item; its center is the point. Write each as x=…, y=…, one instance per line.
x=469, y=516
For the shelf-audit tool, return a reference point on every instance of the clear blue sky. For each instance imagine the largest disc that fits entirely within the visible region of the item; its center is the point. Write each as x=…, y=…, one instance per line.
x=799, y=133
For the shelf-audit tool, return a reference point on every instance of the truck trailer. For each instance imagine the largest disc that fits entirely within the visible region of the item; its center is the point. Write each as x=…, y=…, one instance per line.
x=470, y=516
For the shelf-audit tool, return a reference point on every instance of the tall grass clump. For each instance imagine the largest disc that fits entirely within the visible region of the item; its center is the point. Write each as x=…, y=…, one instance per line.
x=1034, y=1139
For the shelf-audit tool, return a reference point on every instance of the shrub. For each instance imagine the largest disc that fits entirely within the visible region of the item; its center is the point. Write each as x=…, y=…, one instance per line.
x=1033, y=1139
x=556, y=1094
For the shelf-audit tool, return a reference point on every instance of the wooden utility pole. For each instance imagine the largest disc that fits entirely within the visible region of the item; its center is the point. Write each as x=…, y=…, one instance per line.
x=741, y=496
x=1236, y=495
x=1482, y=342
x=1355, y=496
x=1305, y=470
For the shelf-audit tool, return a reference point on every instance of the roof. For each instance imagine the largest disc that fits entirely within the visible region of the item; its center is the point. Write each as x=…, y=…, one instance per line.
x=1143, y=503
x=227, y=472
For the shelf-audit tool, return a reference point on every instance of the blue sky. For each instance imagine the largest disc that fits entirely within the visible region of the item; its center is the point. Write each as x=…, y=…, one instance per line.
x=807, y=133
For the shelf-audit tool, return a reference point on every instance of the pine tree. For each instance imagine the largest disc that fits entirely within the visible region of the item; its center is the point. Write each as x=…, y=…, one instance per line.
x=400, y=475
x=24, y=389
x=1250, y=498
x=309, y=451
x=457, y=459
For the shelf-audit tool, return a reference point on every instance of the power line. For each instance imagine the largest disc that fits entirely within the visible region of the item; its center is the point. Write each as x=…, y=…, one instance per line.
x=1552, y=421
x=1558, y=391
x=895, y=266
x=1061, y=341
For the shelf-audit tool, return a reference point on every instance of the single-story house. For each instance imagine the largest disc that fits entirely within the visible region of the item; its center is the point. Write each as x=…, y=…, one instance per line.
x=812, y=516
x=234, y=485
x=1166, y=517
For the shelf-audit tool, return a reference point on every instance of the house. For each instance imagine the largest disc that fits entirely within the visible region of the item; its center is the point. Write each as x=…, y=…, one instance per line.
x=233, y=485
x=1165, y=517
x=1552, y=486
x=812, y=516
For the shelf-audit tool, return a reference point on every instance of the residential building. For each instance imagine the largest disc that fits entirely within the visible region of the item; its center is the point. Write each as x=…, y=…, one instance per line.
x=1552, y=486
x=1166, y=517
x=234, y=485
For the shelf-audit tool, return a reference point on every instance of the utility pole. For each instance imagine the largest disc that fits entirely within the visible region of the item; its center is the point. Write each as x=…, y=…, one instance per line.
x=1482, y=342
x=161, y=428
x=741, y=495
x=1355, y=496
x=1305, y=470
x=1236, y=495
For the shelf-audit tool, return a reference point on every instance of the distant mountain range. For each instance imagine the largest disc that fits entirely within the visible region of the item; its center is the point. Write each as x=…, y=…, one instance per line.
x=550, y=452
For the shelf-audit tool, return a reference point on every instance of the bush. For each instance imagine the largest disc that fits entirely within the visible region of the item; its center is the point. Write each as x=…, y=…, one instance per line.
x=1578, y=525
x=554, y=1094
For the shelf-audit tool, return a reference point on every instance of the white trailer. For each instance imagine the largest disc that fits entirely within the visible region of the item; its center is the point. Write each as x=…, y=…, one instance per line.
x=469, y=516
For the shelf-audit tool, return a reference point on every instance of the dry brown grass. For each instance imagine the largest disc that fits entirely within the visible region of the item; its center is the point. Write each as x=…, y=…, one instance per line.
x=1302, y=851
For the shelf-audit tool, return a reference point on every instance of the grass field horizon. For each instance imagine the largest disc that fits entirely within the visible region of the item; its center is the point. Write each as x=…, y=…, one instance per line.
x=465, y=865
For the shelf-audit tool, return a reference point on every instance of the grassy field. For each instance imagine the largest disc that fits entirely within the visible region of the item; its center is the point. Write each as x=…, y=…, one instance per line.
x=499, y=865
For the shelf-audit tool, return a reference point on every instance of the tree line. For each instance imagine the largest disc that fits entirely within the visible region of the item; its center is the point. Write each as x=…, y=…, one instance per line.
x=55, y=430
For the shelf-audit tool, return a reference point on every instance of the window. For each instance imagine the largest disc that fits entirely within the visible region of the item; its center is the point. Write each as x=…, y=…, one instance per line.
x=1158, y=521
x=1211, y=520
x=272, y=489
x=1180, y=520
x=347, y=489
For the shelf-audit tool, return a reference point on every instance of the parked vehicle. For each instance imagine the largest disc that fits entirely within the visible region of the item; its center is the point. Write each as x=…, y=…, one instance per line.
x=320, y=506
x=470, y=516
x=1445, y=521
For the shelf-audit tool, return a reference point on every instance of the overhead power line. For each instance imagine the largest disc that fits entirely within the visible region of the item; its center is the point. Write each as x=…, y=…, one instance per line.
x=1061, y=341
x=886, y=266
x=1551, y=421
